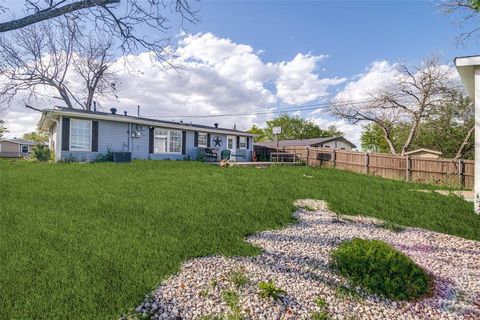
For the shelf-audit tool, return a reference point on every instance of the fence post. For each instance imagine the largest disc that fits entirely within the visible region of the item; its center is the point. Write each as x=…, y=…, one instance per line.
x=367, y=162
x=461, y=173
x=308, y=154
x=407, y=177
x=334, y=158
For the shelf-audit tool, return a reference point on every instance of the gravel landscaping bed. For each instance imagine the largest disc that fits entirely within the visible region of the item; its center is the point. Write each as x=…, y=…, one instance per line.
x=296, y=259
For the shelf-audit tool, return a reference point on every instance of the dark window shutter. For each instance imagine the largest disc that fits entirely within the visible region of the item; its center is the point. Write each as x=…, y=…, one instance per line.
x=195, y=140
x=248, y=142
x=184, y=142
x=94, y=136
x=238, y=142
x=150, y=140
x=208, y=140
x=65, y=134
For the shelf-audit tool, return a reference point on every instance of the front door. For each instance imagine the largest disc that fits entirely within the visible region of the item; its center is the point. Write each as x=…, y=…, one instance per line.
x=231, y=145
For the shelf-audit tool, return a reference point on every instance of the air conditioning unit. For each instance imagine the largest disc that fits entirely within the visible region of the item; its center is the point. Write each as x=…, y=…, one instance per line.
x=122, y=156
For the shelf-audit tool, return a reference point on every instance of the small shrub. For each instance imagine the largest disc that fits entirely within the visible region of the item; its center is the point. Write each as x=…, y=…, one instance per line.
x=232, y=300
x=320, y=302
x=380, y=269
x=320, y=315
x=213, y=283
x=41, y=152
x=212, y=317
x=107, y=157
x=344, y=292
x=391, y=226
x=203, y=293
x=269, y=290
x=238, y=278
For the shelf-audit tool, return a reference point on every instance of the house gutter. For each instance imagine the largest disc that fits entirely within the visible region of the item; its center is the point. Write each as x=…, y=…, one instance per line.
x=120, y=118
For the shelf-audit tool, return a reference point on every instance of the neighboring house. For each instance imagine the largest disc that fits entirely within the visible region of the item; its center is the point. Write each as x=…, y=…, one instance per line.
x=15, y=148
x=424, y=153
x=84, y=135
x=328, y=142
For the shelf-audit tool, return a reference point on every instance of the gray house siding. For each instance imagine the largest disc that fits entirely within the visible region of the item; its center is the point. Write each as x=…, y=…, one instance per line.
x=116, y=136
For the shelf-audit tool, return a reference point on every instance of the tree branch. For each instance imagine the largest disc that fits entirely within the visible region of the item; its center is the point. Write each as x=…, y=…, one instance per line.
x=53, y=12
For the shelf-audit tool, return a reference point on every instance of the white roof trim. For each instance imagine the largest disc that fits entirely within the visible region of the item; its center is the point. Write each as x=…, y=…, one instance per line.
x=466, y=68
x=48, y=114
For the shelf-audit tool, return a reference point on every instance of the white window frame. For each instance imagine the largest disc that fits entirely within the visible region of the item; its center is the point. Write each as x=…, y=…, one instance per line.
x=89, y=149
x=168, y=140
x=21, y=148
x=242, y=141
x=204, y=134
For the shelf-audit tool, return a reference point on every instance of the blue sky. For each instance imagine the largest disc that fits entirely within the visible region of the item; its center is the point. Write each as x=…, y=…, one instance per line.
x=353, y=33
x=249, y=56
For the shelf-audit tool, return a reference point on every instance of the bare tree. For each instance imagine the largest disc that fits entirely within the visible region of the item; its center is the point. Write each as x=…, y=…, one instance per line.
x=356, y=112
x=92, y=66
x=411, y=97
x=53, y=55
x=121, y=19
x=467, y=11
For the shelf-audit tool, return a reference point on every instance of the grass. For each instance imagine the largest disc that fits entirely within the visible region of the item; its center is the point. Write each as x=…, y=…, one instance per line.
x=380, y=269
x=88, y=241
x=238, y=278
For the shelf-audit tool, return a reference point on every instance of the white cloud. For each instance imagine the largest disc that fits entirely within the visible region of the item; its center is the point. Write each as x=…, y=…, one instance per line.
x=215, y=76
x=298, y=83
x=377, y=75
x=19, y=122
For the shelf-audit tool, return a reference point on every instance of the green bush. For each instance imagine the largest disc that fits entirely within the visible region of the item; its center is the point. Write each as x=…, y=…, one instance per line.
x=268, y=289
x=107, y=157
x=380, y=269
x=41, y=152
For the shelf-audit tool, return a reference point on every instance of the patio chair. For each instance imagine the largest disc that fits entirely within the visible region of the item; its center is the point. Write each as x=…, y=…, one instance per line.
x=207, y=154
x=225, y=155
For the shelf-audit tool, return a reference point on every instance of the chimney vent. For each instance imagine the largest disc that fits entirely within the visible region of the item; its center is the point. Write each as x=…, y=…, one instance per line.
x=125, y=112
x=94, y=106
x=113, y=110
x=215, y=125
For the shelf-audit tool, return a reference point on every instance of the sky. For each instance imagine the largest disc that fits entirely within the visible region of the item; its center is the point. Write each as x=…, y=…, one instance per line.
x=247, y=57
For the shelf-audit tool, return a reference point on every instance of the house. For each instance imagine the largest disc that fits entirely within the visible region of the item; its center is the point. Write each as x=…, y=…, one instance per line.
x=263, y=150
x=424, y=153
x=469, y=70
x=328, y=142
x=15, y=148
x=84, y=135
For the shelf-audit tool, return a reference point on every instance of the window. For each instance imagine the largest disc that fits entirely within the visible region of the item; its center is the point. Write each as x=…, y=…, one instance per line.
x=24, y=149
x=202, y=139
x=243, y=143
x=167, y=141
x=80, y=135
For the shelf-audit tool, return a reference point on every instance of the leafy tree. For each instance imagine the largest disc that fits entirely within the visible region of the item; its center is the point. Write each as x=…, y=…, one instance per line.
x=256, y=130
x=39, y=137
x=3, y=129
x=332, y=131
x=412, y=96
x=41, y=152
x=448, y=130
x=293, y=127
x=372, y=139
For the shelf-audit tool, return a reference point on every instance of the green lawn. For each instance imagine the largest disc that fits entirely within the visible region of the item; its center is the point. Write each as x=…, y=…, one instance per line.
x=87, y=241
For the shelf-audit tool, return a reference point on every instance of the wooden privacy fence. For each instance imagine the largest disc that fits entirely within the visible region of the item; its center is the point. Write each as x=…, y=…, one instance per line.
x=437, y=171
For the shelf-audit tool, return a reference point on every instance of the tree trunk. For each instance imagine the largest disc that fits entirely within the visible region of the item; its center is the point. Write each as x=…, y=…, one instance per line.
x=386, y=135
x=464, y=143
x=411, y=136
